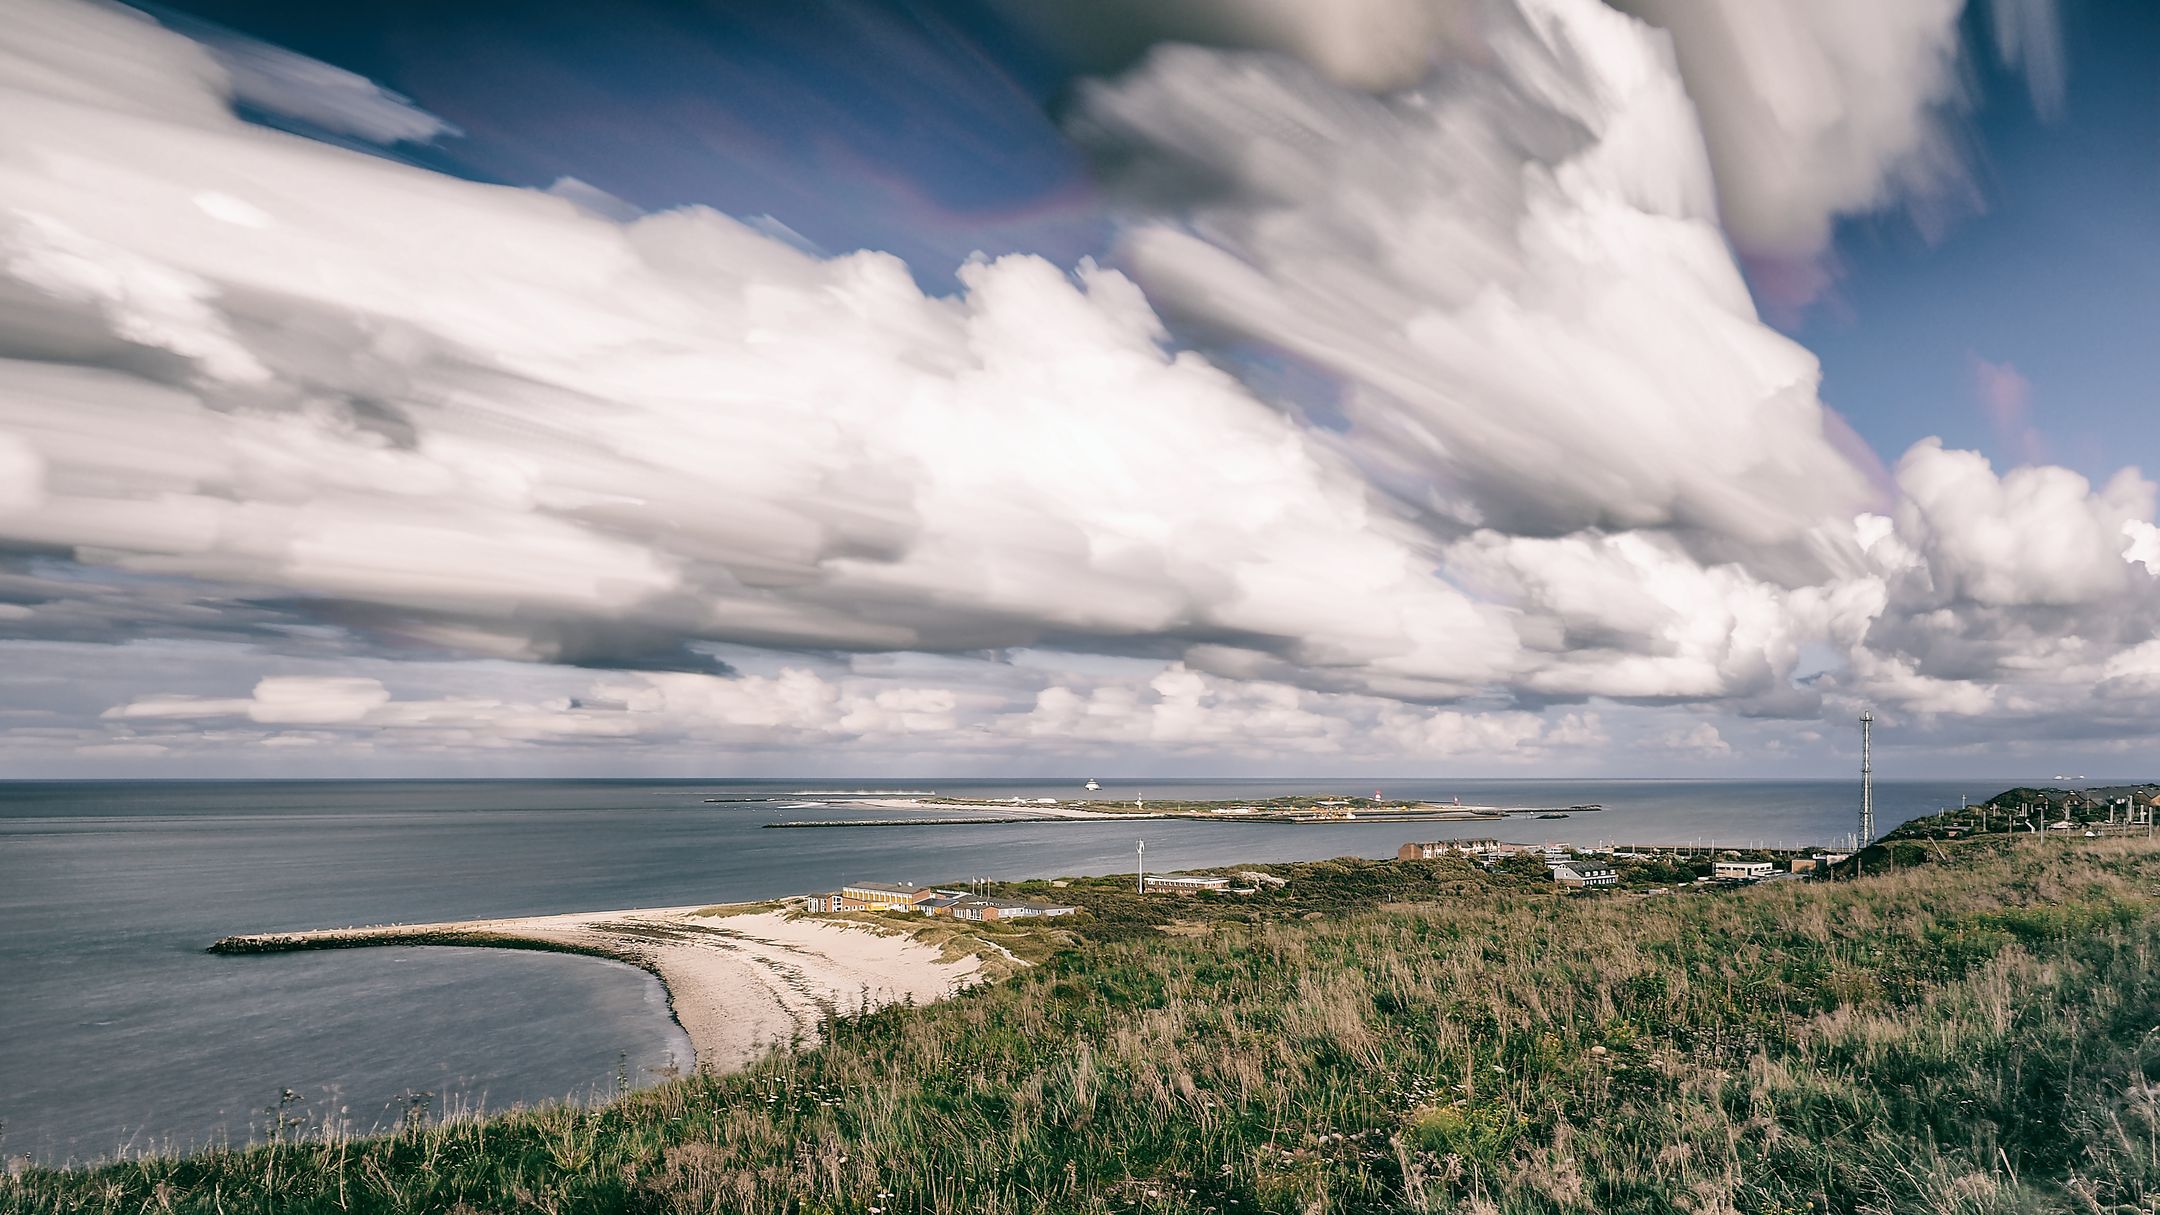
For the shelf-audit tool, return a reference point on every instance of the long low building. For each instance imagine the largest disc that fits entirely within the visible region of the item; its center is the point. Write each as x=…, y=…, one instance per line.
x=982, y=909
x=1182, y=883
x=871, y=896
x=886, y=896
x=1439, y=848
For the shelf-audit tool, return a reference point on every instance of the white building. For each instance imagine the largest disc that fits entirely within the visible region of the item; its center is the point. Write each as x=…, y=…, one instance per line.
x=1578, y=876
x=1183, y=883
x=1742, y=871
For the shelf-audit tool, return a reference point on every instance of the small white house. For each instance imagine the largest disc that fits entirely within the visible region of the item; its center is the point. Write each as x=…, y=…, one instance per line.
x=1742, y=871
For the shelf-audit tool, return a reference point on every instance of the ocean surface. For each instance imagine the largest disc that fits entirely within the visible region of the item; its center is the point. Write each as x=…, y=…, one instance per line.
x=118, y=1033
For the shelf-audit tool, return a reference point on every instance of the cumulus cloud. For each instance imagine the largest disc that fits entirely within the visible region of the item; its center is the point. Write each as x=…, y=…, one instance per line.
x=2023, y=599
x=1814, y=109
x=1515, y=267
x=489, y=421
x=1702, y=740
x=1634, y=617
x=2035, y=536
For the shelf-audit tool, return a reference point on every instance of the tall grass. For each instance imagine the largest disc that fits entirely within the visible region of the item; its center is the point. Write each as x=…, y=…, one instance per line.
x=1972, y=1036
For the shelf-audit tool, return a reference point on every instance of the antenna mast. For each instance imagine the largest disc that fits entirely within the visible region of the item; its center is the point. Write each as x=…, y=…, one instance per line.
x=1867, y=778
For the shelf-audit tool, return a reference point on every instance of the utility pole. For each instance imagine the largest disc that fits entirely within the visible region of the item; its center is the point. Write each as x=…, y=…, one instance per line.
x=1143, y=866
x=1867, y=778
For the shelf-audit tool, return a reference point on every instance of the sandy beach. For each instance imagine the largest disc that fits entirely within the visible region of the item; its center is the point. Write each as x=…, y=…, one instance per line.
x=740, y=981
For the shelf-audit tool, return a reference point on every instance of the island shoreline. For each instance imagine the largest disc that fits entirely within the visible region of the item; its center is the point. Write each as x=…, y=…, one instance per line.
x=740, y=980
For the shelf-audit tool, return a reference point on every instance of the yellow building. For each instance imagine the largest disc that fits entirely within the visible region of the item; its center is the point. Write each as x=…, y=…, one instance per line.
x=884, y=896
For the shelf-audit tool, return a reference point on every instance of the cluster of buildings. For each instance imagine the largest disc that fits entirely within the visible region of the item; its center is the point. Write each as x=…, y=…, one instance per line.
x=1569, y=869
x=1484, y=852
x=928, y=900
x=1578, y=869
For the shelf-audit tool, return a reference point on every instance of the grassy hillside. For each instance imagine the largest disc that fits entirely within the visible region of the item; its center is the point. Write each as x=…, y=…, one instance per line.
x=1973, y=1034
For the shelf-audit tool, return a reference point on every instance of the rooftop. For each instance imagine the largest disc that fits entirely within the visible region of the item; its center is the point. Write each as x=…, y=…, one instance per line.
x=883, y=887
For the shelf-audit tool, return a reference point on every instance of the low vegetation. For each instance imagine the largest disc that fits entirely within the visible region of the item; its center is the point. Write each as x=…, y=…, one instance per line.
x=1973, y=1033
x=2114, y=810
x=1004, y=947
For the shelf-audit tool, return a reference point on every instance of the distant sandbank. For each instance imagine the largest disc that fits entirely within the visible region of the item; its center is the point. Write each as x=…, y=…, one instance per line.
x=1043, y=809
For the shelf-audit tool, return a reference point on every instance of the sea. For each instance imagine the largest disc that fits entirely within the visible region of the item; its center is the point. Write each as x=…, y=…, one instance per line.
x=119, y=1035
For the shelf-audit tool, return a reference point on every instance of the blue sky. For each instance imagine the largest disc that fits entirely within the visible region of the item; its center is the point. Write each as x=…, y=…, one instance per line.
x=2058, y=273
x=920, y=129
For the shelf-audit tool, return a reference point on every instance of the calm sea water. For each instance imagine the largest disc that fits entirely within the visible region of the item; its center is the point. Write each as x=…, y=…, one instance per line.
x=117, y=1033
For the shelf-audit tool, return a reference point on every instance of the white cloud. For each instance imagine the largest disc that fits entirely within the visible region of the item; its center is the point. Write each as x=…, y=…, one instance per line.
x=1360, y=44
x=1815, y=109
x=2033, y=536
x=321, y=95
x=1633, y=616
x=1168, y=710
x=279, y=700
x=1702, y=740
x=1516, y=267
x=488, y=420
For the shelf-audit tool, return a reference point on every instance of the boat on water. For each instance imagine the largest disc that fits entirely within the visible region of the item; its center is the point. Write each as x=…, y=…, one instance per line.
x=1091, y=785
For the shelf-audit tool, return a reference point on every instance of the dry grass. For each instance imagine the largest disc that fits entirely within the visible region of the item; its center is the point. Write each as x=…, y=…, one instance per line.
x=1971, y=1037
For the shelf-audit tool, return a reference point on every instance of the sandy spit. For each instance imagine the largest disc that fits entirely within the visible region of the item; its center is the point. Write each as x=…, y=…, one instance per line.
x=740, y=985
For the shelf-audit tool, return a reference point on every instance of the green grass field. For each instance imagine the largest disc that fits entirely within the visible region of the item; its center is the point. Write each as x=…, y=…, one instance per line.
x=1979, y=1033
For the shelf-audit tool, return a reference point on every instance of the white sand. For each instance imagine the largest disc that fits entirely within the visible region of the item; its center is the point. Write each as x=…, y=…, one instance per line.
x=740, y=984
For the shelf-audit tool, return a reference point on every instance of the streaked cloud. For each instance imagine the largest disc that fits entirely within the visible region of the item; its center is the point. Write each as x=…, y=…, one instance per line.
x=316, y=96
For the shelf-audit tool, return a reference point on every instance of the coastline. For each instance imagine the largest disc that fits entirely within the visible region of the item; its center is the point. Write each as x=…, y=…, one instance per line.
x=1044, y=810
x=741, y=979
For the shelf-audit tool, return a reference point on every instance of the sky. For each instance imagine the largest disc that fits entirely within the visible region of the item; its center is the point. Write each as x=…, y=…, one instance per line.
x=1393, y=387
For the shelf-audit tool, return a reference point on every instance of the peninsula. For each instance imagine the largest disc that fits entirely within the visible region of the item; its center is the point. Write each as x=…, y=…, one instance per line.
x=741, y=980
